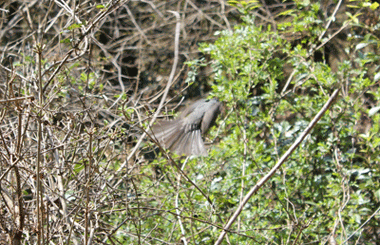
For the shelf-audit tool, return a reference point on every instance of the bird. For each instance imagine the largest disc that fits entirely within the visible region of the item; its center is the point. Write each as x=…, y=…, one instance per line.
x=184, y=134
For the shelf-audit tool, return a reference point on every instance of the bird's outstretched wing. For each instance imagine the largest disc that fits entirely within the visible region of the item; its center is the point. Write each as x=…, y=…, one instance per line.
x=180, y=137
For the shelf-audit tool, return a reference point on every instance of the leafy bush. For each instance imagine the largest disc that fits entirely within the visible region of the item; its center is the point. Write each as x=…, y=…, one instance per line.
x=329, y=185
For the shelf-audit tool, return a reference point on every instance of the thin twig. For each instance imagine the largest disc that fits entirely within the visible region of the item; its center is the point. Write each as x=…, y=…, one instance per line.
x=361, y=227
x=16, y=99
x=168, y=86
x=332, y=17
x=38, y=49
x=176, y=205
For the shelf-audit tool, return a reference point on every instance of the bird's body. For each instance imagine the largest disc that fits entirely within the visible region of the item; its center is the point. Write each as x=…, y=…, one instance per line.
x=184, y=135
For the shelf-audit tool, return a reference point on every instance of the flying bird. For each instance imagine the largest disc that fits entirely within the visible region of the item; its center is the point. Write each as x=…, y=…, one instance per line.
x=184, y=134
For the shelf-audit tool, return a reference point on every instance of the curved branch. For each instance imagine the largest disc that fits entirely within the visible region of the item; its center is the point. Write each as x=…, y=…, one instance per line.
x=277, y=166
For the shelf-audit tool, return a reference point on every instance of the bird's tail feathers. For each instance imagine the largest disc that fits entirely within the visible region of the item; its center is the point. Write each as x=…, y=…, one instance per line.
x=190, y=143
x=167, y=132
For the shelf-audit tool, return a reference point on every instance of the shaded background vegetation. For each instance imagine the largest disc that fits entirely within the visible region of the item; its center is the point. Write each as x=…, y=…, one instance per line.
x=81, y=81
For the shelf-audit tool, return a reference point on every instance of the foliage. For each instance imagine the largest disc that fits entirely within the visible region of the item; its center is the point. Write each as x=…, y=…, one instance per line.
x=328, y=187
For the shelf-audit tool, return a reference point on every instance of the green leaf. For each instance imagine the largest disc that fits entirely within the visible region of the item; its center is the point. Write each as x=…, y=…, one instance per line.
x=74, y=26
x=361, y=45
x=373, y=111
x=374, y=5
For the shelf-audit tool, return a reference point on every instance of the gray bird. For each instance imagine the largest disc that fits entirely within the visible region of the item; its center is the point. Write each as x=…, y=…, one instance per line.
x=184, y=135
